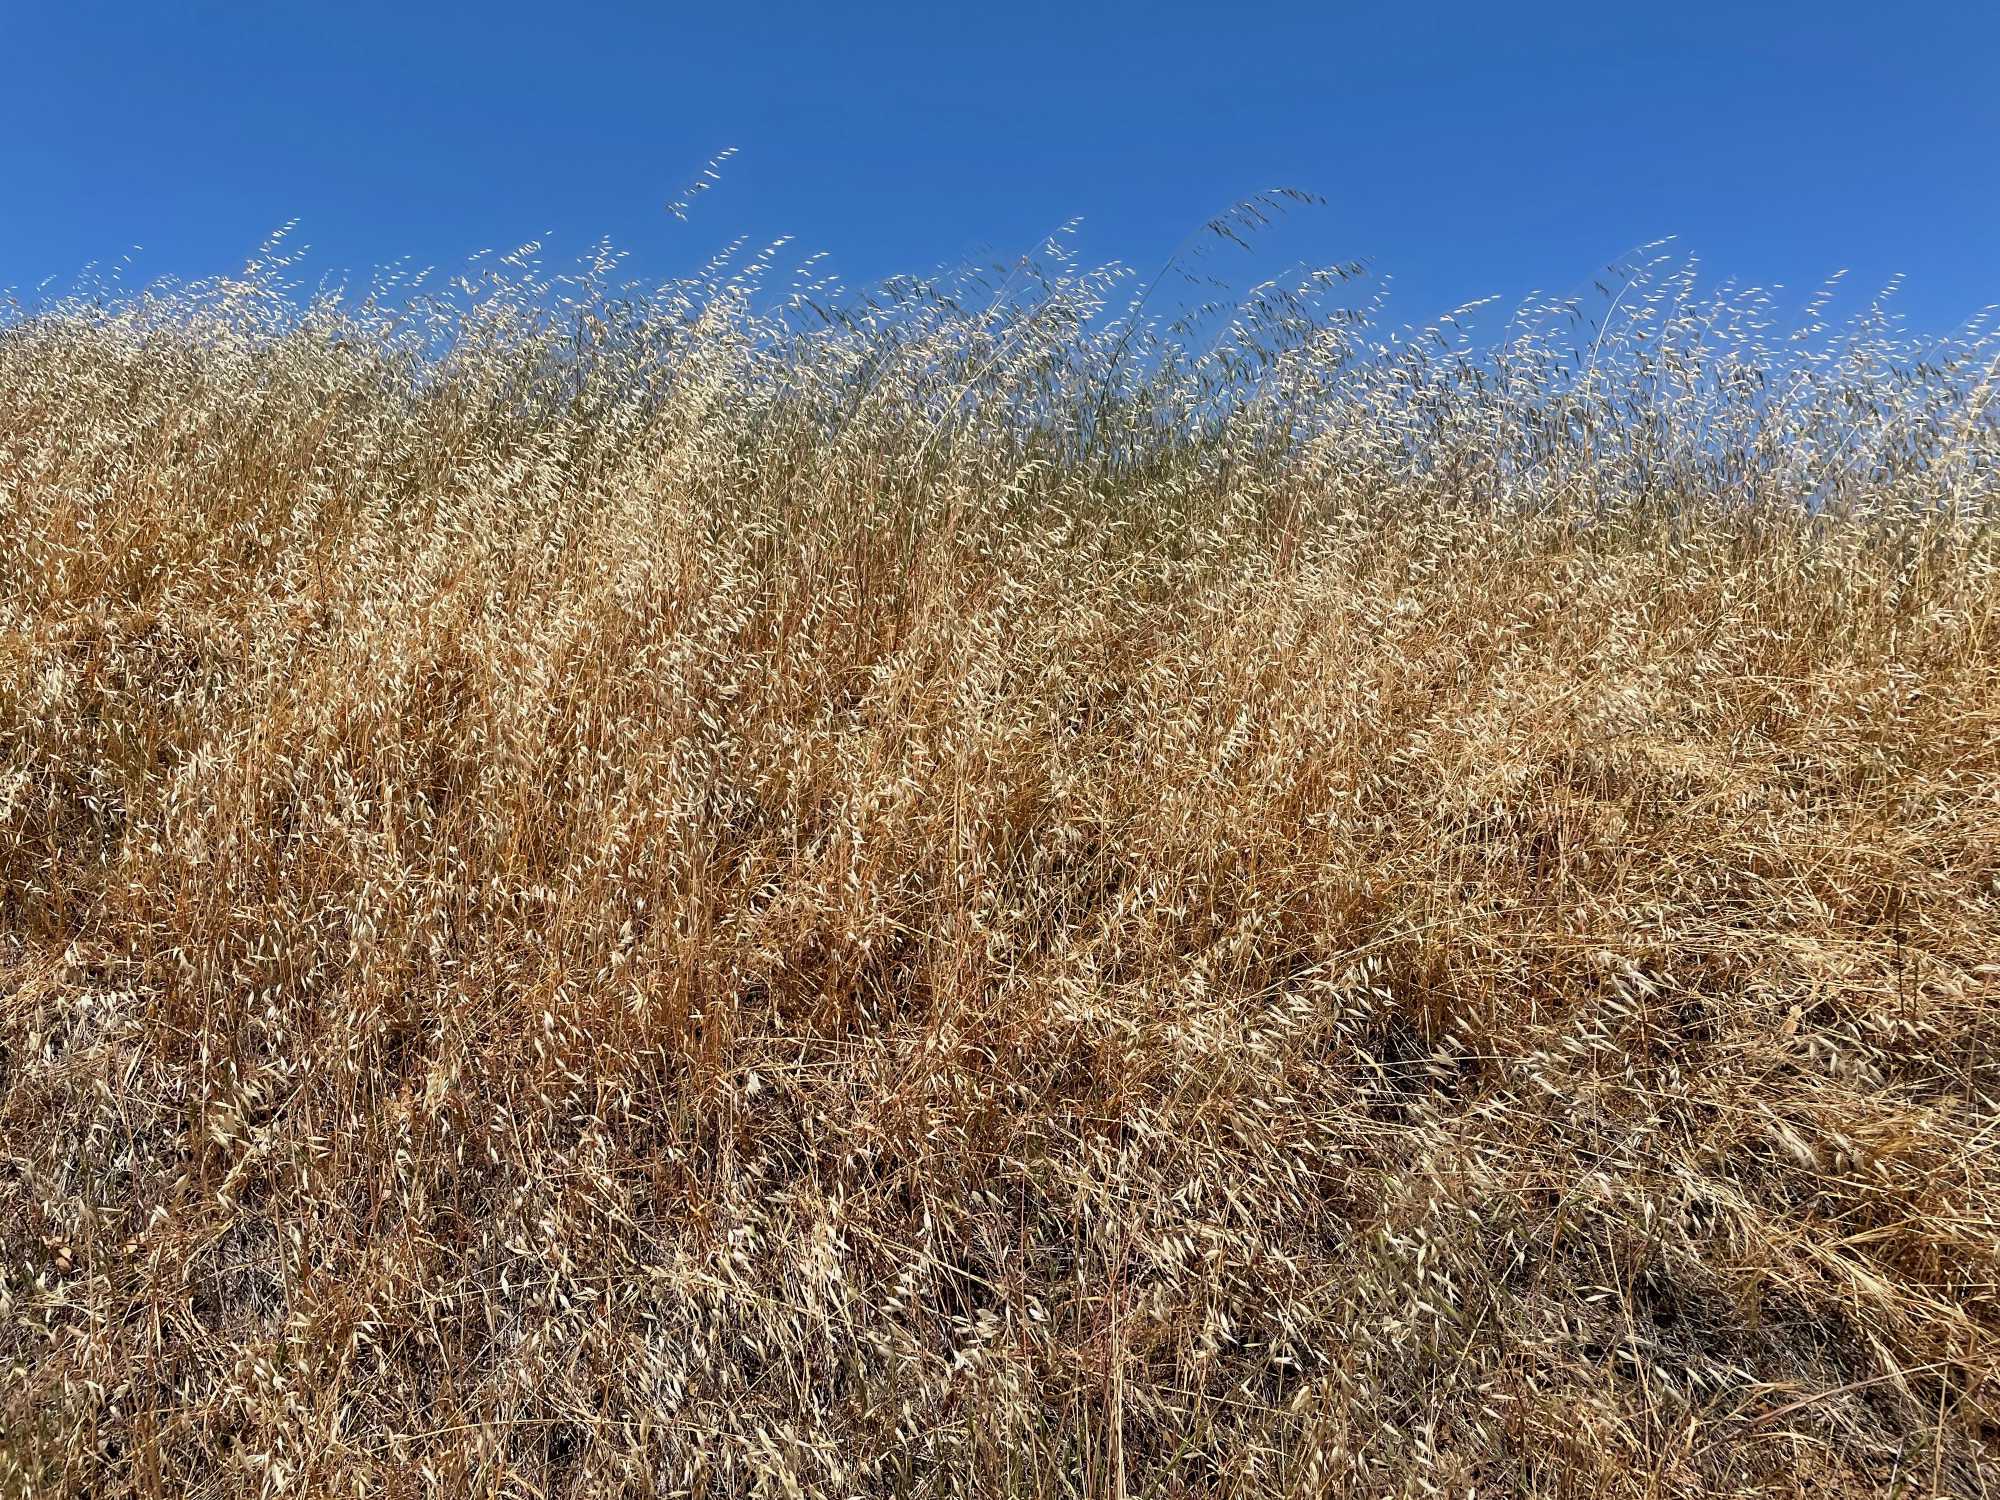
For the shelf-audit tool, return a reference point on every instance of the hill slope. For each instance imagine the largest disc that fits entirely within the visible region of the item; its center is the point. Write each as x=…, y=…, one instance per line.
x=622, y=903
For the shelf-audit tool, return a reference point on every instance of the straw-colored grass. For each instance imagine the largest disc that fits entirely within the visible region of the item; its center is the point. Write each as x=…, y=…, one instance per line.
x=625, y=896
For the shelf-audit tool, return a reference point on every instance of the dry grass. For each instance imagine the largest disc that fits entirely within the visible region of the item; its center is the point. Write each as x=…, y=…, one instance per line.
x=611, y=896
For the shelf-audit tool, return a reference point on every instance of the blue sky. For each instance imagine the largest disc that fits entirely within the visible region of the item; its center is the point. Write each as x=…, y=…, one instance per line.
x=1466, y=149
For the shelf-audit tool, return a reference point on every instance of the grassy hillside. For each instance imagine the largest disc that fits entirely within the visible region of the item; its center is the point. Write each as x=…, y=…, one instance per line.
x=615, y=895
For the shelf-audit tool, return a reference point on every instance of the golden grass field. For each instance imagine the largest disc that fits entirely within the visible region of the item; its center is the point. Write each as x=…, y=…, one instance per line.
x=972, y=895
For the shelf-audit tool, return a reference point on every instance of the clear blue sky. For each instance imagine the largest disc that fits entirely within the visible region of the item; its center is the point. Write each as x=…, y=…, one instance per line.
x=1466, y=148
